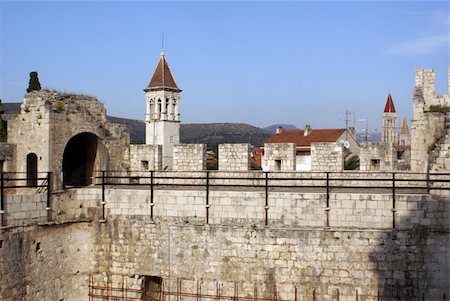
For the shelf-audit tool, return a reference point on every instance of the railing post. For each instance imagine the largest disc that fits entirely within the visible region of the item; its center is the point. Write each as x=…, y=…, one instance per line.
x=152, y=204
x=207, y=197
x=428, y=178
x=266, y=206
x=103, y=195
x=2, y=199
x=328, y=189
x=49, y=196
x=393, y=200
x=327, y=208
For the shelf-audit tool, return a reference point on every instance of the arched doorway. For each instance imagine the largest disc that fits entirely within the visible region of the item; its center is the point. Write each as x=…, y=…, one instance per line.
x=83, y=154
x=32, y=170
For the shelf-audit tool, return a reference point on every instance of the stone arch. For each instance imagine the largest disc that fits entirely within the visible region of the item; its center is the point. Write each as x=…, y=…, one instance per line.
x=32, y=169
x=84, y=153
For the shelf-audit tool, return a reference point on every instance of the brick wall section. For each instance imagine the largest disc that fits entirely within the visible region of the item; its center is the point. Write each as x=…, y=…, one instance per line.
x=234, y=157
x=327, y=157
x=189, y=157
x=25, y=209
x=279, y=157
x=383, y=152
x=145, y=157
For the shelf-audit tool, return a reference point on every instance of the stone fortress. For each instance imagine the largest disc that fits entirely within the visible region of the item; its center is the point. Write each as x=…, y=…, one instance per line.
x=87, y=215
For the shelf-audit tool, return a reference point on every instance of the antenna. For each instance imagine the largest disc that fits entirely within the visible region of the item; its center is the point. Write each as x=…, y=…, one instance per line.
x=162, y=40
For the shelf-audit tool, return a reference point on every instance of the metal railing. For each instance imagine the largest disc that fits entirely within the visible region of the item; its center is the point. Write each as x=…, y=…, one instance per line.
x=393, y=183
x=11, y=182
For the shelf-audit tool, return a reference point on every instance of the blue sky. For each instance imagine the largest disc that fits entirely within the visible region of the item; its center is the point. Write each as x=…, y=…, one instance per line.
x=257, y=62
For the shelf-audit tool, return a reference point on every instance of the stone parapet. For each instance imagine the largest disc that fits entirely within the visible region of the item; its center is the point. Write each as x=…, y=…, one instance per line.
x=234, y=157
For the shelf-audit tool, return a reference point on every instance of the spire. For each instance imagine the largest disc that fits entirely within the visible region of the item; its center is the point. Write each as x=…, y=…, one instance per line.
x=389, y=107
x=404, y=130
x=162, y=77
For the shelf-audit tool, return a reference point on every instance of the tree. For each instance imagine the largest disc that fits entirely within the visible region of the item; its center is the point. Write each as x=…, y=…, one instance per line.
x=33, y=84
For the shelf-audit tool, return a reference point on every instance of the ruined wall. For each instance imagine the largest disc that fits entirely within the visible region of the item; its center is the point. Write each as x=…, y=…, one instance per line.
x=49, y=119
x=8, y=157
x=279, y=157
x=429, y=121
x=145, y=157
x=327, y=157
x=189, y=157
x=234, y=157
x=376, y=156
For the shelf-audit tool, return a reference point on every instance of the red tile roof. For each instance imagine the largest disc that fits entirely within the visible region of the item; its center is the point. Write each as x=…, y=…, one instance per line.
x=162, y=77
x=389, y=107
x=298, y=137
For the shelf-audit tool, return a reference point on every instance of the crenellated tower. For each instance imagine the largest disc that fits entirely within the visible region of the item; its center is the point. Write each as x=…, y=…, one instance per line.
x=162, y=118
x=389, y=134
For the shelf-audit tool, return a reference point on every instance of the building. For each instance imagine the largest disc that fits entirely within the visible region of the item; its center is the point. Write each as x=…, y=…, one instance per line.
x=394, y=150
x=162, y=116
x=304, y=140
x=389, y=126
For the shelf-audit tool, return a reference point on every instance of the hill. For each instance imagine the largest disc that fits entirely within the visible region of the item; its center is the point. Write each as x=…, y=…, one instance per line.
x=208, y=133
x=217, y=133
x=273, y=128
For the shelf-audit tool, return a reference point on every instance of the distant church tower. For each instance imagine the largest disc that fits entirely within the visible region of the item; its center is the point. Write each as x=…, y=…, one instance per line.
x=162, y=118
x=405, y=136
x=389, y=122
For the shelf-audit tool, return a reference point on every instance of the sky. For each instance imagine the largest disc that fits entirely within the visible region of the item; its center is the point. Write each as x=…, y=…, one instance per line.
x=254, y=62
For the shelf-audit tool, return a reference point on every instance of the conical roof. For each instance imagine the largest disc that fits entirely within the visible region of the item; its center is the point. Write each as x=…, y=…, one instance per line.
x=404, y=130
x=162, y=77
x=389, y=107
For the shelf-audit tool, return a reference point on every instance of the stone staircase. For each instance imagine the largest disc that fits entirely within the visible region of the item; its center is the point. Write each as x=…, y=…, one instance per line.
x=440, y=156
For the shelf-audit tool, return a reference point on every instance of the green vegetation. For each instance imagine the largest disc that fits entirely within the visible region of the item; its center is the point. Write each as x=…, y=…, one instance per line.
x=439, y=108
x=33, y=84
x=351, y=162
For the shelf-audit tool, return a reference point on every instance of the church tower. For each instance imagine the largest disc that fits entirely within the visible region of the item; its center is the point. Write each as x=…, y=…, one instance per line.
x=405, y=136
x=389, y=133
x=162, y=118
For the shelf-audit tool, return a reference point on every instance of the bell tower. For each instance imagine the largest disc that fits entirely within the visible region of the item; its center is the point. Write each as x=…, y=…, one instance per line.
x=162, y=117
x=389, y=134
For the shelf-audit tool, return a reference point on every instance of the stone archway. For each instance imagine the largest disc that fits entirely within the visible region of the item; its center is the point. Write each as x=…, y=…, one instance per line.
x=84, y=154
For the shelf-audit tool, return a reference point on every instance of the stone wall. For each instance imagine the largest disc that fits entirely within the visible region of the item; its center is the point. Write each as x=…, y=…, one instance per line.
x=8, y=157
x=279, y=157
x=349, y=244
x=47, y=262
x=429, y=123
x=145, y=157
x=376, y=156
x=327, y=157
x=25, y=209
x=189, y=157
x=234, y=157
x=48, y=120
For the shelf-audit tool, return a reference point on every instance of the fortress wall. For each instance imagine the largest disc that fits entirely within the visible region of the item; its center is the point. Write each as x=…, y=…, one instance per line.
x=359, y=250
x=46, y=263
x=285, y=209
x=327, y=157
x=234, y=157
x=25, y=209
x=189, y=157
x=413, y=261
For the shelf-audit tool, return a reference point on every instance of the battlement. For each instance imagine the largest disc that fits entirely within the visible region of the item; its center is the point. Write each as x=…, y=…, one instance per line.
x=426, y=81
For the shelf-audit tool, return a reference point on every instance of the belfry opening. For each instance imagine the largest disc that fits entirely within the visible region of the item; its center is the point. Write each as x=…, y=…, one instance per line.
x=84, y=154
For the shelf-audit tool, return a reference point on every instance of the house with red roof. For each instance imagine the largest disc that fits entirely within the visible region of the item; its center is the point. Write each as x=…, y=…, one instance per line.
x=303, y=140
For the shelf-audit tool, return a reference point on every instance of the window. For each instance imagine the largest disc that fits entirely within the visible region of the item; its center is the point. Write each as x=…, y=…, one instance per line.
x=144, y=164
x=277, y=165
x=374, y=164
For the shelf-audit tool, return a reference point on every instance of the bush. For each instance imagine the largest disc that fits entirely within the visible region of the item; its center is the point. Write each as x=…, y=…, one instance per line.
x=33, y=84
